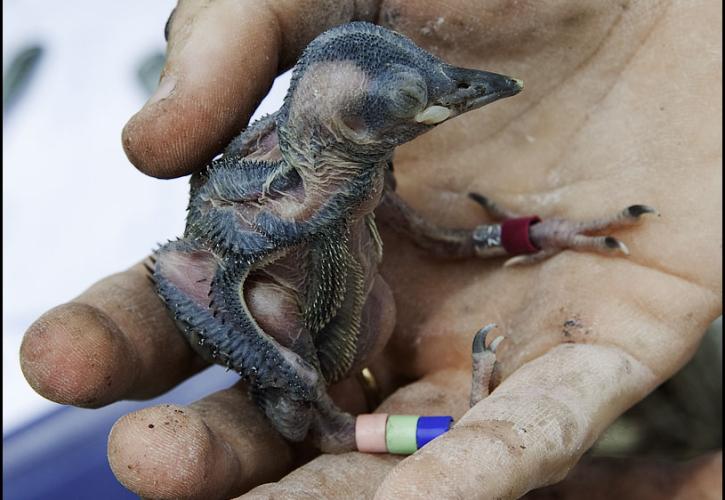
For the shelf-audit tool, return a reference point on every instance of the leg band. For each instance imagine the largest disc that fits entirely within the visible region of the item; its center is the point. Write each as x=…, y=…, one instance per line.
x=399, y=434
x=515, y=235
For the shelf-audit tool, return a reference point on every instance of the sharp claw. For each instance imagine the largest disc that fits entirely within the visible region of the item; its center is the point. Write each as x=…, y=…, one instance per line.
x=494, y=345
x=614, y=244
x=479, y=198
x=479, y=340
x=516, y=261
x=638, y=210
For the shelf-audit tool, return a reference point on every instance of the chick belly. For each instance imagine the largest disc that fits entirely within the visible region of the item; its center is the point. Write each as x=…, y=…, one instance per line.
x=274, y=296
x=275, y=309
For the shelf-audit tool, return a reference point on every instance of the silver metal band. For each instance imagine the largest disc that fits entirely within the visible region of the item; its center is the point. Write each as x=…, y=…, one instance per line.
x=487, y=240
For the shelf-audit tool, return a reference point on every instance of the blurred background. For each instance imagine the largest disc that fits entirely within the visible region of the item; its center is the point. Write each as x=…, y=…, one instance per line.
x=75, y=210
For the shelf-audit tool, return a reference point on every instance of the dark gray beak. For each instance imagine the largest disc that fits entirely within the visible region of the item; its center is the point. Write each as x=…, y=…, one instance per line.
x=471, y=89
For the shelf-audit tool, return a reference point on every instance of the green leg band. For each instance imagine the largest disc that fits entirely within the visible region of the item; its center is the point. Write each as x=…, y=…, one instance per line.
x=400, y=434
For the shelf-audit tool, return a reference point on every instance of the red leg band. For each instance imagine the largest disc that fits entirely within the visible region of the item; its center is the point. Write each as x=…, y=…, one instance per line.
x=515, y=235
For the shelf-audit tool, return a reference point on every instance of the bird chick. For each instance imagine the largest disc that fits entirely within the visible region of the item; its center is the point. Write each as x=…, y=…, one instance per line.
x=276, y=275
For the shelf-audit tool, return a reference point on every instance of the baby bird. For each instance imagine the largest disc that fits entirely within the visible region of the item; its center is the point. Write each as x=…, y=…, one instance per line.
x=276, y=275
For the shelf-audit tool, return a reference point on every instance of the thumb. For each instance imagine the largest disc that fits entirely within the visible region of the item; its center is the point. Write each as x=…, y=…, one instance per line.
x=221, y=59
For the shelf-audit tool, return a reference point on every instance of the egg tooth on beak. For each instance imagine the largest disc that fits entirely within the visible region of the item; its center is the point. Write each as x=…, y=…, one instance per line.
x=469, y=89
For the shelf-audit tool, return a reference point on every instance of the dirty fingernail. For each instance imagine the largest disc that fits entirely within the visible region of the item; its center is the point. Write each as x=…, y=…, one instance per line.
x=166, y=86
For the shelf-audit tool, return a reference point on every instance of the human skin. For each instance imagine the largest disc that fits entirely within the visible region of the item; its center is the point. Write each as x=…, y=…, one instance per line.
x=622, y=105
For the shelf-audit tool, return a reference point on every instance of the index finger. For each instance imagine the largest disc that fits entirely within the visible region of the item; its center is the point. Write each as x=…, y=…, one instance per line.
x=221, y=60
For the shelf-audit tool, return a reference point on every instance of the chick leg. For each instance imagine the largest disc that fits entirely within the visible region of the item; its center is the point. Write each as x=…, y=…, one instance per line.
x=550, y=236
x=484, y=363
x=452, y=243
x=526, y=239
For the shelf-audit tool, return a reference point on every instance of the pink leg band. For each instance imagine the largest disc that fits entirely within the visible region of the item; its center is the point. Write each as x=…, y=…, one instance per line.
x=370, y=432
x=515, y=235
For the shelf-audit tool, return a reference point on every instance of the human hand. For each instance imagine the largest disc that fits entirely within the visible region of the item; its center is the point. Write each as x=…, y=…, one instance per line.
x=609, y=117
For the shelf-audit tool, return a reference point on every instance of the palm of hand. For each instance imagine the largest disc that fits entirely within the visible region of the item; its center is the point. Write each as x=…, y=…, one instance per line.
x=594, y=130
x=604, y=122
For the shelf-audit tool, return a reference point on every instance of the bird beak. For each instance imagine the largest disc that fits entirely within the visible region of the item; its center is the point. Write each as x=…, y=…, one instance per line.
x=471, y=90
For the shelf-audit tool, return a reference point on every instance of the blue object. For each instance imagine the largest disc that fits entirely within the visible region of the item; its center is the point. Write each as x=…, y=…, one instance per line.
x=430, y=428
